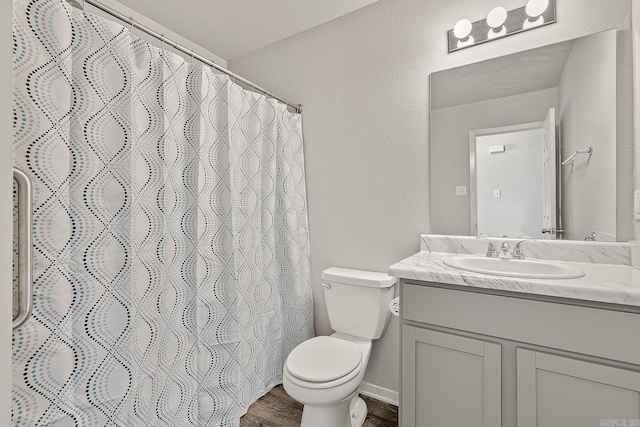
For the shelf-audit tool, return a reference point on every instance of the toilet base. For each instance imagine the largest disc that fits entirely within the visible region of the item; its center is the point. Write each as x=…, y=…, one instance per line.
x=358, y=411
x=351, y=412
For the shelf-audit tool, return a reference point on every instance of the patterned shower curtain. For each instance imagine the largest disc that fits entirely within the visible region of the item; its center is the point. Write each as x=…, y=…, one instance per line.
x=171, y=246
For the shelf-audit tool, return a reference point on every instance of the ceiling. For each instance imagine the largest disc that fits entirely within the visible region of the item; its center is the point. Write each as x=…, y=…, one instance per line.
x=509, y=75
x=232, y=28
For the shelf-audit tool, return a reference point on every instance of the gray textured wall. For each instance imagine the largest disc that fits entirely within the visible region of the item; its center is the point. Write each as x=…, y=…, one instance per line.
x=587, y=118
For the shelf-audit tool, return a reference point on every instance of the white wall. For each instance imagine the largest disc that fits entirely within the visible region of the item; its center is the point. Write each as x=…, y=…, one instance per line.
x=6, y=228
x=143, y=20
x=587, y=112
x=449, y=155
x=517, y=173
x=363, y=80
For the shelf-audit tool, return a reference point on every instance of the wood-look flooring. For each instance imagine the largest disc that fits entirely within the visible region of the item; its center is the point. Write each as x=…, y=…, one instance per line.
x=277, y=409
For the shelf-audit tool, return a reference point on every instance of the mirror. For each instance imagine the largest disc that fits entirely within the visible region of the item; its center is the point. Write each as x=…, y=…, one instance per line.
x=501, y=130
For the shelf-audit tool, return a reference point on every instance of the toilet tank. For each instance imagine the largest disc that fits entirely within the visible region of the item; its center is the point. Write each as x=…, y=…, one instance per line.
x=358, y=301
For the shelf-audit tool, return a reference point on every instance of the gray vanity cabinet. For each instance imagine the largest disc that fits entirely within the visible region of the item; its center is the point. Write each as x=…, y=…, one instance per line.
x=453, y=376
x=500, y=359
x=561, y=391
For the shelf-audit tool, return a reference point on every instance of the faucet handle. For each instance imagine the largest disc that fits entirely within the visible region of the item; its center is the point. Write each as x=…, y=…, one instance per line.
x=517, y=250
x=491, y=250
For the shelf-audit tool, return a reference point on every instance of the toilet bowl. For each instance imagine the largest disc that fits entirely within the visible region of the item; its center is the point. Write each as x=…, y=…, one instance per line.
x=332, y=369
x=324, y=373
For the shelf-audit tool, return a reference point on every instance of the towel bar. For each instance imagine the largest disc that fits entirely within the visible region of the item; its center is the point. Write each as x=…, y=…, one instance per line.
x=580, y=151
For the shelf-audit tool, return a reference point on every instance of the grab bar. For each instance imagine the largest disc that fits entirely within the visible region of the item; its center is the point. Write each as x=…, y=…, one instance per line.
x=580, y=151
x=25, y=286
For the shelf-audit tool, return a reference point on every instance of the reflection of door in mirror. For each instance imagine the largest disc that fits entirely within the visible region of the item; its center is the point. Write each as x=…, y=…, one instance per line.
x=549, y=175
x=513, y=180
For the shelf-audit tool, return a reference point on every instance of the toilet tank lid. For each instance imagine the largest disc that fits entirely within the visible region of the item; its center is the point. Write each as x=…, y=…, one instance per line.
x=358, y=277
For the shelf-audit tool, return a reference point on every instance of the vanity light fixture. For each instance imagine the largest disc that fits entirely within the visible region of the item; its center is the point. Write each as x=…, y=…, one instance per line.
x=500, y=23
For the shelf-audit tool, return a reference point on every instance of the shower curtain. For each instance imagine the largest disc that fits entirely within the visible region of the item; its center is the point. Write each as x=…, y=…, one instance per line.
x=171, y=246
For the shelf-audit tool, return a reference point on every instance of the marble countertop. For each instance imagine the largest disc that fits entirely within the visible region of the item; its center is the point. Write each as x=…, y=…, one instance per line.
x=606, y=283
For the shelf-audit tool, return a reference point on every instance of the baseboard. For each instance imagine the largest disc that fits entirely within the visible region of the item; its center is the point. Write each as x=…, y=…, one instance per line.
x=379, y=393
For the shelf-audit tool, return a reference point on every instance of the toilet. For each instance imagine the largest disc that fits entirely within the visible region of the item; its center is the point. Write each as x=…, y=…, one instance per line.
x=324, y=373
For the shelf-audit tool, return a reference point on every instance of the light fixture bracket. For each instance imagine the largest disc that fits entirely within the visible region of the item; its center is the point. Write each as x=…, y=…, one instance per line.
x=514, y=24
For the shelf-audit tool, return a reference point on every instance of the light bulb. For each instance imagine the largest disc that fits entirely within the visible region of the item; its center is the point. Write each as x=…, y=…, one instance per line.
x=536, y=8
x=496, y=19
x=462, y=29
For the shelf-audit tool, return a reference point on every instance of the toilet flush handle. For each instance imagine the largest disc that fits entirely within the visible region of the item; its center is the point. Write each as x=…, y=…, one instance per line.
x=326, y=285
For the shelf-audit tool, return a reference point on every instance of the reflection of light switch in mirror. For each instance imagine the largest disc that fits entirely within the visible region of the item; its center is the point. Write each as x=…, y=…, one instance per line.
x=497, y=193
x=461, y=190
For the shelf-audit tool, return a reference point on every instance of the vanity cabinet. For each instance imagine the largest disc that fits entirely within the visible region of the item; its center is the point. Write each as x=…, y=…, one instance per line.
x=561, y=391
x=451, y=372
x=497, y=358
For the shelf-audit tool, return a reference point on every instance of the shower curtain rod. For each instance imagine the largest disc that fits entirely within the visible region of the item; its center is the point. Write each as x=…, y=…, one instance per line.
x=129, y=20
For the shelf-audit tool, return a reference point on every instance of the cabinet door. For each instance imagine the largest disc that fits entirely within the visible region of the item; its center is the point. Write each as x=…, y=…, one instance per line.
x=559, y=391
x=449, y=381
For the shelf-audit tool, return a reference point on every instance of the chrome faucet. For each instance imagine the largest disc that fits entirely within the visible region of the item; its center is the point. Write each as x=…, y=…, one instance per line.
x=505, y=249
x=491, y=250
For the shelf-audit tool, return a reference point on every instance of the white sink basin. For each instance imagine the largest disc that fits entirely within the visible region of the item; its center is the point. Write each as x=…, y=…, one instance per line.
x=525, y=268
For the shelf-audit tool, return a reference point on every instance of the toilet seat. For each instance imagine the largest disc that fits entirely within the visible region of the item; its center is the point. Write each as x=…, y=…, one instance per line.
x=324, y=360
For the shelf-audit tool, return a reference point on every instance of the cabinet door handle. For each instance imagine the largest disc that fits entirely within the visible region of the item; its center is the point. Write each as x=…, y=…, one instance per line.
x=24, y=265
